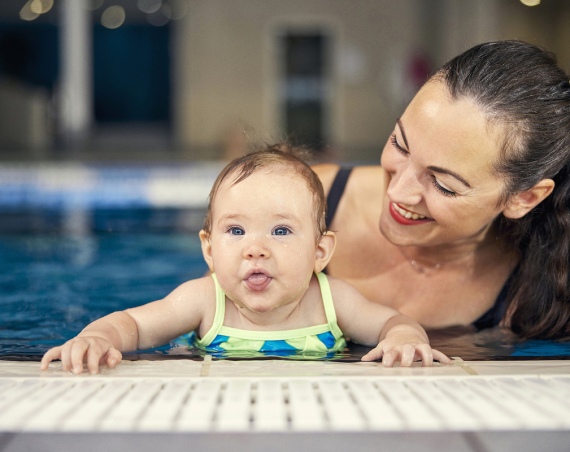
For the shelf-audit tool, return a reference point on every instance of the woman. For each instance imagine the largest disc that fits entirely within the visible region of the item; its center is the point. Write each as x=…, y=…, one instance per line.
x=467, y=220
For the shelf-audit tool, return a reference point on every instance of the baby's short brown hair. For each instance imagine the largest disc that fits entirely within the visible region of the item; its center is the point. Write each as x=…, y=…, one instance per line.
x=280, y=154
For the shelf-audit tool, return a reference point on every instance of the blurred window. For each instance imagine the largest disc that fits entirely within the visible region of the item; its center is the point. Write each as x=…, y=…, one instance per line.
x=303, y=92
x=131, y=77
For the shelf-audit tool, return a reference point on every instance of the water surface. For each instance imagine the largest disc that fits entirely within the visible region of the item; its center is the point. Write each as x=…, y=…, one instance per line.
x=61, y=270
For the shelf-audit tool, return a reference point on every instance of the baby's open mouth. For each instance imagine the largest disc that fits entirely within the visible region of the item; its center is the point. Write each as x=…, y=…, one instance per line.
x=257, y=281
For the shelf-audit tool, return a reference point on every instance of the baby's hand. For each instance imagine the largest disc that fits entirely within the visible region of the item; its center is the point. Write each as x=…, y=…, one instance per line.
x=94, y=350
x=407, y=346
x=407, y=354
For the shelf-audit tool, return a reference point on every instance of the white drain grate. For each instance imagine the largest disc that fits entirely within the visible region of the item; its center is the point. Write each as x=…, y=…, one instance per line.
x=269, y=404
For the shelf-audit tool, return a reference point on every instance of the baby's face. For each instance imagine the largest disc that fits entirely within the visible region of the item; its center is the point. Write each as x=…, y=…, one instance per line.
x=263, y=239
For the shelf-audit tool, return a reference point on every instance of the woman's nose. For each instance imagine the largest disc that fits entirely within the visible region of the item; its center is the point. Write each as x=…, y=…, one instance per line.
x=405, y=187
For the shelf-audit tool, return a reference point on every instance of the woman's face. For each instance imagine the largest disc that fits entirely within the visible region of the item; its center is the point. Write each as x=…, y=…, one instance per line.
x=440, y=186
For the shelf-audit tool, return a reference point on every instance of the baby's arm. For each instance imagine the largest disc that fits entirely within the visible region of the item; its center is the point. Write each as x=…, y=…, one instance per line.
x=150, y=325
x=395, y=336
x=99, y=343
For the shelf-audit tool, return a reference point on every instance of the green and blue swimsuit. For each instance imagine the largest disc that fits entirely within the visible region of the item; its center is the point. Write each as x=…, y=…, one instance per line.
x=318, y=340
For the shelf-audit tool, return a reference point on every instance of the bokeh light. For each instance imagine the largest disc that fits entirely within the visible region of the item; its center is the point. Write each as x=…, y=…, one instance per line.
x=149, y=6
x=530, y=2
x=93, y=5
x=41, y=6
x=113, y=17
x=26, y=13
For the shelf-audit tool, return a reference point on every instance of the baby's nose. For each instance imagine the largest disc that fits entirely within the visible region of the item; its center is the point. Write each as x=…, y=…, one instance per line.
x=256, y=249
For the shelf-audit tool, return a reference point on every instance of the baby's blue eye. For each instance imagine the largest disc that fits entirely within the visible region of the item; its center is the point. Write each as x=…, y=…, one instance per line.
x=236, y=231
x=281, y=230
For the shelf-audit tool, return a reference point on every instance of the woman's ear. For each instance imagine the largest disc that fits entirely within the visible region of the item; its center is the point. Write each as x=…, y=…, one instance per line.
x=522, y=203
x=324, y=252
x=207, y=249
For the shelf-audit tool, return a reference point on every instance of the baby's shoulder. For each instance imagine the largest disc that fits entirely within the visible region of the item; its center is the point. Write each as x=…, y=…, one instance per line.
x=341, y=290
x=198, y=291
x=205, y=283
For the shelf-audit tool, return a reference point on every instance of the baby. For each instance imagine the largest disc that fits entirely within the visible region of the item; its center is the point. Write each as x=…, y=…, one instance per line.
x=266, y=244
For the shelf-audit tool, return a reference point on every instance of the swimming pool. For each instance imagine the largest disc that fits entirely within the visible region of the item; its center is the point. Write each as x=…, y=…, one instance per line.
x=67, y=259
x=54, y=283
x=54, y=279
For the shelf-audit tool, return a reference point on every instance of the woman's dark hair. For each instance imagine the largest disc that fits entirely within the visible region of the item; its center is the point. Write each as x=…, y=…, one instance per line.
x=521, y=88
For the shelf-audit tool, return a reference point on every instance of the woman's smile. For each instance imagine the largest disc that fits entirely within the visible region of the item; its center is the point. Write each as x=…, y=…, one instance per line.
x=407, y=217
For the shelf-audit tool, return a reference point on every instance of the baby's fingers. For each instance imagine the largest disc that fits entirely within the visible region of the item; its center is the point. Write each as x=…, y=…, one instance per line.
x=390, y=357
x=114, y=357
x=374, y=355
x=78, y=351
x=408, y=355
x=95, y=355
x=49, y=356
x=441, y=357
x=98, y=356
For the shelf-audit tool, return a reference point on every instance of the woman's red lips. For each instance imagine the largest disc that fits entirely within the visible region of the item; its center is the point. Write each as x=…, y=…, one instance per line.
x=406, y=218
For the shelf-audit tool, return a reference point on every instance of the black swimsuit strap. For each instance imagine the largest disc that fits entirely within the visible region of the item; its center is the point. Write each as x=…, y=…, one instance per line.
x=336, y=192
x=496, y=313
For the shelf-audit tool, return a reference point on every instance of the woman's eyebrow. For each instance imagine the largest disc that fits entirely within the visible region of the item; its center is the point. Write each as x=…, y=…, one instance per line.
x=399, y=122
x=435, y=169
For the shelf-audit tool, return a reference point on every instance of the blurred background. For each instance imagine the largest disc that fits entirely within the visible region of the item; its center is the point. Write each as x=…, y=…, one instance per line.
x=189, y=80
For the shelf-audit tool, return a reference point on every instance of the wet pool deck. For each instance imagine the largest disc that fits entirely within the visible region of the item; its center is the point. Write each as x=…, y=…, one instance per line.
x=332, y=440
x=289, y=368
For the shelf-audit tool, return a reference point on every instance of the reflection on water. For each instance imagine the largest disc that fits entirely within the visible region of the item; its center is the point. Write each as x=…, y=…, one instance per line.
x=345, y=355
x=494, y=344
x=459, y=342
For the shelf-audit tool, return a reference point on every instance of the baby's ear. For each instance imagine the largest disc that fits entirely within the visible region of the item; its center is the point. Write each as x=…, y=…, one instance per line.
x=325, y=250
x=522, y=203
x=207, y=249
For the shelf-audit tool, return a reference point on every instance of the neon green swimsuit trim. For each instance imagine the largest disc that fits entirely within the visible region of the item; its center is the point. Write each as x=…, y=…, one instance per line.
x=319, y=338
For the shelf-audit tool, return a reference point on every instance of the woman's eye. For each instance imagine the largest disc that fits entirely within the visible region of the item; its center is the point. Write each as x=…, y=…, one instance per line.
x=395, y=143
x=234, y=230
x=281, y=230
x=444, y=191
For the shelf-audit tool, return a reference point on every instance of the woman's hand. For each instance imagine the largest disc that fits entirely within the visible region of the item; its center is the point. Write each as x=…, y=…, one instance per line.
x=95, y=351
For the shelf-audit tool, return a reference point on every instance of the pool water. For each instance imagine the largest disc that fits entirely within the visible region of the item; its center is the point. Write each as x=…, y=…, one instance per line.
x=61, y=270
x=53, y=282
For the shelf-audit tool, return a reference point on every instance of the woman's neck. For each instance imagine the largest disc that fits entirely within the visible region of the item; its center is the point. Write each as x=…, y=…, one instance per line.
x=431, y=258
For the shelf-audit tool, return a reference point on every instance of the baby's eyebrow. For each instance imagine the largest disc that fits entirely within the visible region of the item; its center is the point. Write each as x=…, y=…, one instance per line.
x=229, y=216
x=284, y=216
